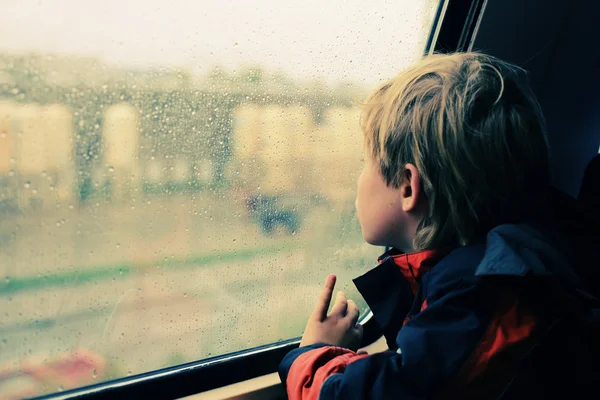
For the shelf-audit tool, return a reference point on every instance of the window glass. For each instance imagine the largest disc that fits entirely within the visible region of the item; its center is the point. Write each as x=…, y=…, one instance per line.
x=177, y=178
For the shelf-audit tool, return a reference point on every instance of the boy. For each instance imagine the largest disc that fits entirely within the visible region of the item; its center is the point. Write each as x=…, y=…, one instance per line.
x=474, y=293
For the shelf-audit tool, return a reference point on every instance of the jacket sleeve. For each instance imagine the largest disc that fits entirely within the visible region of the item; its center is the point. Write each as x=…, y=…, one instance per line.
x=433, y=346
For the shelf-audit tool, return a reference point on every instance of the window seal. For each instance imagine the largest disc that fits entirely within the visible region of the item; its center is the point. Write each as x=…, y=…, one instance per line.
x=190, y=378
x=199, y=376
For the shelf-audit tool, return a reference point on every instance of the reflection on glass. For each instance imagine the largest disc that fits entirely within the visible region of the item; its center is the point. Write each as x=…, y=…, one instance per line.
x=153, y=214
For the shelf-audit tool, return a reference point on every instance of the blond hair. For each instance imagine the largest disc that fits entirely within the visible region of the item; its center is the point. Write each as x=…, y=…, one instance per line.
x=475, y=132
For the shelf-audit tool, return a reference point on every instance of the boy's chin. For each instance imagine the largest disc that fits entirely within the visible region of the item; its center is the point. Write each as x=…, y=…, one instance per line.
x=384, y=242
x=372, y=240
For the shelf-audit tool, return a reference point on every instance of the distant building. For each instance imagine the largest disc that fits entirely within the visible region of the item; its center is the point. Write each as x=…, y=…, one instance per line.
x=280, y=150
x=338, y=150
x=7, y=137
x=36, y=154
x=276, y=151
x=269, y=145
x=121, y=142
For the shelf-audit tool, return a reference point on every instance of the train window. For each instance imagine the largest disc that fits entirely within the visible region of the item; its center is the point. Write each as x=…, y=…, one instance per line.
x=176, y=179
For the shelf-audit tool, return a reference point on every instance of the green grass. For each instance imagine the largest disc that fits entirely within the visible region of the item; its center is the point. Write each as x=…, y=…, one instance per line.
x=95, y=274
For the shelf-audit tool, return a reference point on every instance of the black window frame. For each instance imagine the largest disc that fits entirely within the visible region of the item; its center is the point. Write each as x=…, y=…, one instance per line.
x=454, y=29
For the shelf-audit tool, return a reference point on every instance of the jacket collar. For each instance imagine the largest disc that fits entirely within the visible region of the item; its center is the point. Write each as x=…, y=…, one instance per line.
x=390, y=288
x=413, y=265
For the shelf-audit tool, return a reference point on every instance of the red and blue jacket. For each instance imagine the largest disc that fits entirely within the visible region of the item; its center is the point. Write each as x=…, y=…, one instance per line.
x=458, y=324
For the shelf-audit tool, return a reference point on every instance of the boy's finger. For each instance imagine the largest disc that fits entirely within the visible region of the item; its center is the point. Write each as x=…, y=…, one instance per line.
x=341, y=305
x=352, y=313
x=320, y=312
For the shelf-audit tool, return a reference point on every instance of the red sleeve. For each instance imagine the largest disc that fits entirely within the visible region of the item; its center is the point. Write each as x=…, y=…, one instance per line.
x=310, y=369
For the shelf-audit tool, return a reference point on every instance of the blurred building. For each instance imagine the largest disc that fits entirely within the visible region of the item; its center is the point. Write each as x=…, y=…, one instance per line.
x=282, y=151
x=121, y=142
x=277, y=150
x=338, y=150
x=36, y=155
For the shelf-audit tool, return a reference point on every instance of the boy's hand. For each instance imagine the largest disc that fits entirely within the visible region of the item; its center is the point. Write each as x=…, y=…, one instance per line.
x=338, y=328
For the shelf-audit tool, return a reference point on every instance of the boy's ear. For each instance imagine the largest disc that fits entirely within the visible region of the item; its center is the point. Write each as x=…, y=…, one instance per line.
x=411, y=192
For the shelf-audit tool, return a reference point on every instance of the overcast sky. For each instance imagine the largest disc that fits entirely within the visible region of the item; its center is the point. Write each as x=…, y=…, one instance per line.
x=360, y=40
